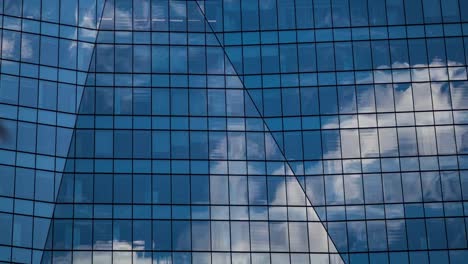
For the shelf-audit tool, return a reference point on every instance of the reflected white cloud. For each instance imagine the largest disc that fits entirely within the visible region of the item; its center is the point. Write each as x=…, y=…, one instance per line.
x=177, y=8
x=88, y=16
x=27, y=48
x=103, y=257
x=441, y=97
x=8, y=47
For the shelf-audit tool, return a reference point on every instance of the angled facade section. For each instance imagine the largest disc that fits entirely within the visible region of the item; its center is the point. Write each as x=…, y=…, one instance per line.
x=243, y=132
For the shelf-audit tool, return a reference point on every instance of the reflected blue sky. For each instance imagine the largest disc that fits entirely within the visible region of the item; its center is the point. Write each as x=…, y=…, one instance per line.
x=317, y=114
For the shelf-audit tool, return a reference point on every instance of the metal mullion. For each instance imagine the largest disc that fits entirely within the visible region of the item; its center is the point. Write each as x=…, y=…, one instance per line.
x=397, y=138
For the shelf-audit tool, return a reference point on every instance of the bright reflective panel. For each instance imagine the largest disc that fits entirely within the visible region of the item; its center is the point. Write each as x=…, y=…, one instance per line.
x=233, y=131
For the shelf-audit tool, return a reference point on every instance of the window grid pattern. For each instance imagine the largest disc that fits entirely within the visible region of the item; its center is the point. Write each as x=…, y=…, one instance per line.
x=233, y=131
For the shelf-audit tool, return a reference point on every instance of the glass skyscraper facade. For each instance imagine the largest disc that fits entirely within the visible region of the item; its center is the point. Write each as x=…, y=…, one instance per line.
x=234, y=131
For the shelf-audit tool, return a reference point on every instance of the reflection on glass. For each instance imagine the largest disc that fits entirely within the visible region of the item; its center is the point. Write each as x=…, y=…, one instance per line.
x=236, y=131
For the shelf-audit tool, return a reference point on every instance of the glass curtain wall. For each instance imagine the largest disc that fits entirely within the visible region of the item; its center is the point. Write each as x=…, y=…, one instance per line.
x=233, y=131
